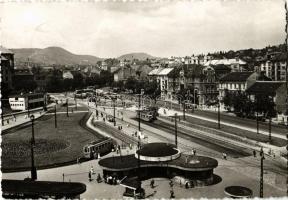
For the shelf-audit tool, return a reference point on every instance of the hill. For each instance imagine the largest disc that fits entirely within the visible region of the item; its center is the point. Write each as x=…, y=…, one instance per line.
x=139, y=56
x=52, y=55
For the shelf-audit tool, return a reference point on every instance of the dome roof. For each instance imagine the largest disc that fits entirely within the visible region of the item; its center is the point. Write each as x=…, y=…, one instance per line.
x=158, y=150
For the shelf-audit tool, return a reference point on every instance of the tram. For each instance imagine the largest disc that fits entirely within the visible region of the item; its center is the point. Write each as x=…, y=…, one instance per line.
x=148, y=114
x=98, y=147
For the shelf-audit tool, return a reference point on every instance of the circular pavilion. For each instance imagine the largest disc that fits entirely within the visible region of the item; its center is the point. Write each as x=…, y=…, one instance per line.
x=161, y=160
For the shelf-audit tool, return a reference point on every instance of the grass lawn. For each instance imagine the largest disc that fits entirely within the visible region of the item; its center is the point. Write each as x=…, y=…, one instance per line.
x=53, y=146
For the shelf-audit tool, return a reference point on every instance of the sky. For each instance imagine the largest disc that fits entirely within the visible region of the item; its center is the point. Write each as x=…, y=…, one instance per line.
x=159, y=28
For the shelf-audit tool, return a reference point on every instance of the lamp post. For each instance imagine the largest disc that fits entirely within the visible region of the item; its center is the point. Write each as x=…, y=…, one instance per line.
x=184, y=118
x=75, y=102
x=176, y=142
x=67, y=108
x=33, y=168
x=219, y=124
x=114, y=111
x=139, y=112
x=55, y=116
x=261, y=172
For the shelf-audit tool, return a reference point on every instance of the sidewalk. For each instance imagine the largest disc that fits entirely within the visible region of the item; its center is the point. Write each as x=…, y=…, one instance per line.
x=20, y=119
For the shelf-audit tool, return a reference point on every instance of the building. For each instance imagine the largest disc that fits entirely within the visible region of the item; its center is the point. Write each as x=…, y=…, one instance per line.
x=236, y=81
x=235, y=64
x=27, y=101
x=161, y=160
x=276, y=91
x=104, y=66
x=142, y=71
x=274, y=66
x=67, y=75
x=7, y=69
x=123, y=73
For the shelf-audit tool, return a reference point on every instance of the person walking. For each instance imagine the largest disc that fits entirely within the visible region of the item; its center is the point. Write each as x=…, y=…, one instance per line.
x=89, y=176
x=172, y=196
x=152, y=183
x=254, y=153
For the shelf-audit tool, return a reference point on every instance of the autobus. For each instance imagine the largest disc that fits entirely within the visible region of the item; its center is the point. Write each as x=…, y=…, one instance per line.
x=98, y=147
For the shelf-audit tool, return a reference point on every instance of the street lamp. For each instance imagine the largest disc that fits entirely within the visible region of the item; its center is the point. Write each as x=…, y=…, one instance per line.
x=55, y=116
x=67, y=108
x=114, y=111
x=261, y=172
x=33, y=168
x=219, y=124
x=176, y=142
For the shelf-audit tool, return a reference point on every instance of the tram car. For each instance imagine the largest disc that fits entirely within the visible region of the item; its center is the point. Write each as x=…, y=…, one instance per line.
x=148, y=114
x=98, y=147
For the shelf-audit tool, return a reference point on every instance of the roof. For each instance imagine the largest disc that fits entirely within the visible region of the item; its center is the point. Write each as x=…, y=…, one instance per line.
x=127, y=162
x=225, y=62
x=3, y=58
x=155, y=71
x=158, y=149
x=165, y=71
x=221, y=67
x=238, y=191
x=236, y=77
x=49, y=188
x=264, y=87
x=3, y=50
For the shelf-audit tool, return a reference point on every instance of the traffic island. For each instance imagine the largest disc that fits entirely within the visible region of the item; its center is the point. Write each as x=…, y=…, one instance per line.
x=161, y=160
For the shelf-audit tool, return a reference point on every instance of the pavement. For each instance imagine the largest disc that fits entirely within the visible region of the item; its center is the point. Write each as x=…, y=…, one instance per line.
x=243, y=172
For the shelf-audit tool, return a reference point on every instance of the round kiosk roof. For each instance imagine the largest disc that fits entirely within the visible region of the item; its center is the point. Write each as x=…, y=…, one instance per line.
x=158, y=149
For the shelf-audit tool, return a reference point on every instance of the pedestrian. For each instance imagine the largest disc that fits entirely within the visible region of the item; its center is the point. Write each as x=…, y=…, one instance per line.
x=187, y=185
x=171, y=183
x=172, y=194
x=92, y=170
x=254, y=153
x=194, y=152
x=224, y=156
x=152, y=183
x=14, y=117
x=89, y=176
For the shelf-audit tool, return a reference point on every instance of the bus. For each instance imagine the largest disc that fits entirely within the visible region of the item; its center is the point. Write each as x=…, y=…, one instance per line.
x=98, y=147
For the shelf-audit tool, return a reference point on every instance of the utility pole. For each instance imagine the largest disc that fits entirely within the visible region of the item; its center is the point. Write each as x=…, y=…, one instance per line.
x=176, y=142
x=114, y=112
x=219, y=125
x=270, y=138
x=261, y=172
x=139, y=113
x=33, y=168
x=257, y=122
x=184, y=107
x=286, y=49
x=75, y=103
x=139, y=146
x=67, y=108
x=55, y=116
